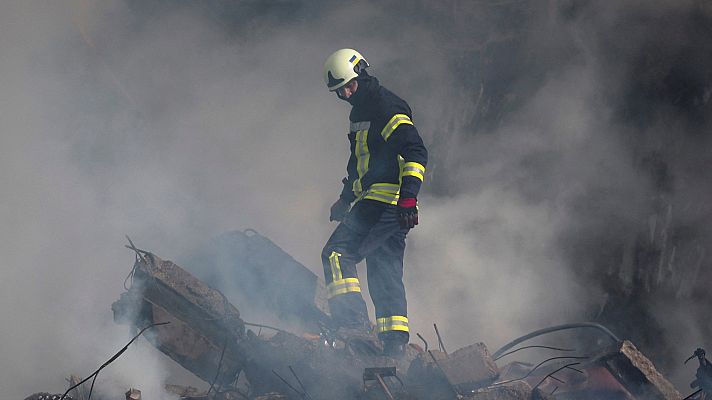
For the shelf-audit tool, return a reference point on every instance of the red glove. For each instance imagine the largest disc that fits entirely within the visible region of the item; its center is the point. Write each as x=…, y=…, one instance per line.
x=339, y=210
x=408, y=212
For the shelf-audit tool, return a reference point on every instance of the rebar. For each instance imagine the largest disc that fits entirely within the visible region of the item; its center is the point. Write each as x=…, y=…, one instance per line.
x=440, y=341
x=424, y=341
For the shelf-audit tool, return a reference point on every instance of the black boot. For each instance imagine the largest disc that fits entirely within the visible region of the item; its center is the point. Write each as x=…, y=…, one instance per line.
x=394, y=343
x=393, y=349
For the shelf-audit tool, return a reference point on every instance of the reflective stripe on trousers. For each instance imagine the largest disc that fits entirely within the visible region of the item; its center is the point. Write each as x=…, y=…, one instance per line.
x=392, y=323
x=343, y=286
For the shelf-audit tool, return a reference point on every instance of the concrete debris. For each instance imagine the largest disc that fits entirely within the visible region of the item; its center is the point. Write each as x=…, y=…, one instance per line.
x=207, y=336
x=133, y=394
x=204, y=330
x=469, y=368
x=637, y=373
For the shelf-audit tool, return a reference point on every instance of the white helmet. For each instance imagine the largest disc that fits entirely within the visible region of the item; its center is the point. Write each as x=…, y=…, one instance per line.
x=342, y=66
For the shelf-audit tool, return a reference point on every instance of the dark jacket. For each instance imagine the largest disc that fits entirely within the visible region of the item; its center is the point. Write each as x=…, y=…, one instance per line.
x=388, y=157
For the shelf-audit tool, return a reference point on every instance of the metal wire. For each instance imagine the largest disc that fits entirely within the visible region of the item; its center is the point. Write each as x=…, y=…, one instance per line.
x=550, y=375
x=529, y=347
x=302, y=395
x=693, y=394
x=539, y=365
x=113, y=358
x=555, y=329
x=301, y=385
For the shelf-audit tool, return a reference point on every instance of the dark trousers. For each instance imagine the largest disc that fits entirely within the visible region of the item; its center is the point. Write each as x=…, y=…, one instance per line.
x=371, y=231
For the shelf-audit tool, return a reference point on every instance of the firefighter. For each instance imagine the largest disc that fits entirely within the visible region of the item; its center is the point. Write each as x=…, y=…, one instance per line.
x=377, y=206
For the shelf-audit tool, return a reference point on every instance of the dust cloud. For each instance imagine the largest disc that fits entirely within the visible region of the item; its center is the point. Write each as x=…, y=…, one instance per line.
x=548, y=125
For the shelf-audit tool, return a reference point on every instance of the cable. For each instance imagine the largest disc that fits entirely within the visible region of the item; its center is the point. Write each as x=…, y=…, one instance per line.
x=529, y=347
x=540, y=332
x=539, y=365
x=553, y=372
x=113, y=358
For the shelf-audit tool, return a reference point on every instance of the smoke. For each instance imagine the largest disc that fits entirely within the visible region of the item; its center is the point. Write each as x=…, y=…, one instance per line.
x=175, y=121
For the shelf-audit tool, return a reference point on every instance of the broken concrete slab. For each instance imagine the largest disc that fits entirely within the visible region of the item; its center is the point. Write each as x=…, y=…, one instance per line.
x=165, y=284
x=469, y=368
x=636, y=373
x=204, y=329
x=207, y=336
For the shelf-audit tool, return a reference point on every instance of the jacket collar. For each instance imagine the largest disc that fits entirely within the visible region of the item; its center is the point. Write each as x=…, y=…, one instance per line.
x=367, y=88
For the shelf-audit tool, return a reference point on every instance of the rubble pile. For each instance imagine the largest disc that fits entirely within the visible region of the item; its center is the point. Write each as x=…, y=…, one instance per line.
x=207, y=336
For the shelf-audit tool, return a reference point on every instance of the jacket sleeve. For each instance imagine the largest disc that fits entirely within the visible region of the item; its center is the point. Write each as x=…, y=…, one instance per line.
x=402, y=137
x=347, y=193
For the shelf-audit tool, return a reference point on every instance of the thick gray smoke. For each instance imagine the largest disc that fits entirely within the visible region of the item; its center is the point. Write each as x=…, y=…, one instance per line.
x=563, y=135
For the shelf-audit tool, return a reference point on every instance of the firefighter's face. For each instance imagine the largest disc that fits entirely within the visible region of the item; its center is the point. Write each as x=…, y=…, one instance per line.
x=347, y=90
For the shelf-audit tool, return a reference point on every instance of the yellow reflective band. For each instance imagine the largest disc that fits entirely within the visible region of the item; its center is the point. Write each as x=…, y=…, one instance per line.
x=384, y=198
x=394, y=323
x=383, y=192
x=362, y=158
x=343, y=286
x=335, y=266
x=413, y=169
x=394, y=123
x=389, y=187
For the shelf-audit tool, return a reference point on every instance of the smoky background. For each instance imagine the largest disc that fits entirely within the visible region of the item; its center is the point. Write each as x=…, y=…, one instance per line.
x=568, y=173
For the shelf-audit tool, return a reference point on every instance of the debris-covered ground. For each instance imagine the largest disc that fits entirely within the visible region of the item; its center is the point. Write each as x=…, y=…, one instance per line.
x=196, y=326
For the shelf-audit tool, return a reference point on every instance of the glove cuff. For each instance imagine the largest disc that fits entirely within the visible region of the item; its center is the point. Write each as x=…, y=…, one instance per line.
x=407, y=202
